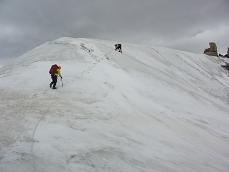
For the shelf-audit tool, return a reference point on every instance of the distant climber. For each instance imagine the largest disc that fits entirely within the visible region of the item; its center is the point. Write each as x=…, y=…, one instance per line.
x=118, y=47
x=55, y=72
x=226, y=55
x=226, y=62
x=212, y=51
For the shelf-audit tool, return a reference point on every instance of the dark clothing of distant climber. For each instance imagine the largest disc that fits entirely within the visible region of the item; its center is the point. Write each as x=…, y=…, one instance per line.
x=118, y=47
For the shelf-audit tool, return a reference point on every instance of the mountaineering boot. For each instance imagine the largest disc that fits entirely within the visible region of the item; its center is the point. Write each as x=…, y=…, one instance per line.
x=54, y=88
x=50, y=85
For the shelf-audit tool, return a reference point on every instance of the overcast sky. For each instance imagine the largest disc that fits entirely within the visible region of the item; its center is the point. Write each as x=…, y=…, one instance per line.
x=181, y=24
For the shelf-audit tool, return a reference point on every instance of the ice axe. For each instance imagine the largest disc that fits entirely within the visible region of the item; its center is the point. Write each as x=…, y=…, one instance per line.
x=62, y=82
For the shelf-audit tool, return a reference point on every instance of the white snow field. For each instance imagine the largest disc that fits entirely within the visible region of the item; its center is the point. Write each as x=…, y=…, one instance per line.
x=145, y=110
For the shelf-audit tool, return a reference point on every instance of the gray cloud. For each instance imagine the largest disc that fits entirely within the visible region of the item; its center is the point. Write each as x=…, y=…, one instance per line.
x=180, y=24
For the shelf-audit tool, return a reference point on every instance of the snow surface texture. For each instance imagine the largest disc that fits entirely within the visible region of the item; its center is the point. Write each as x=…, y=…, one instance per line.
x=146, y=110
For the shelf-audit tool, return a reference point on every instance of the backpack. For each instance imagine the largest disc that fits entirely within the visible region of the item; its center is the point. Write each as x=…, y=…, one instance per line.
x=53, y=69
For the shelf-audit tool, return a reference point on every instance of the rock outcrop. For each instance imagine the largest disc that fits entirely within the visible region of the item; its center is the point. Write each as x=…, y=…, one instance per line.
x=212, y=51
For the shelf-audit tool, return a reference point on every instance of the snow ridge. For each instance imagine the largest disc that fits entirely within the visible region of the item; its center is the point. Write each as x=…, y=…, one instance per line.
x=147, y=109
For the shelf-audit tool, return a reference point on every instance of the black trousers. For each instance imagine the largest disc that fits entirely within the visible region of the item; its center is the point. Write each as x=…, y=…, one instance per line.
x=54, y=81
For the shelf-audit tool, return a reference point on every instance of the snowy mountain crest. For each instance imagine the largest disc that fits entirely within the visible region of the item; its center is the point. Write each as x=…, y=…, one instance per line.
x=145, y=109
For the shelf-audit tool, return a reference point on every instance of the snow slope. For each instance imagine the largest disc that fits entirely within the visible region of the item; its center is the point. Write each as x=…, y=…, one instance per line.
x=146, y=110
